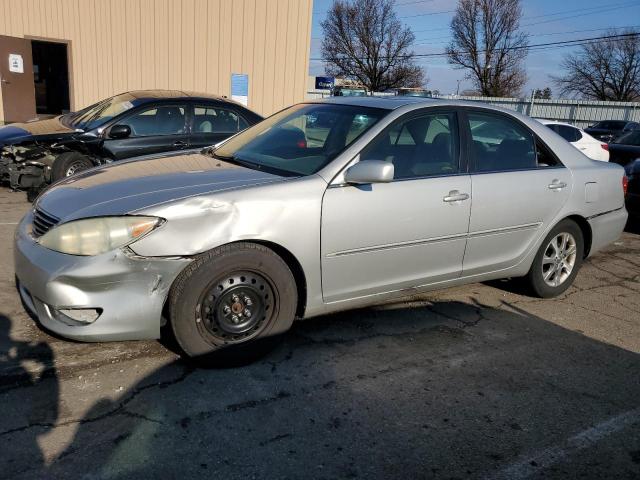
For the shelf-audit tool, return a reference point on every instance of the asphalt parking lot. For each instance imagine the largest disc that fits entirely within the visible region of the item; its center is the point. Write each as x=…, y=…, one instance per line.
x=471, y=382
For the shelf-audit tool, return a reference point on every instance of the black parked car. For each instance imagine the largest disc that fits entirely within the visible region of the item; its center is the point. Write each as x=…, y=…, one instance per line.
x=625, y=149
x=632, y=197
x=131, y=124
x=607, y=130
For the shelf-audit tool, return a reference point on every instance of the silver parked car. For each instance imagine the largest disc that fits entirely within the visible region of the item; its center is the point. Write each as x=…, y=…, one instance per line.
x=322, y=207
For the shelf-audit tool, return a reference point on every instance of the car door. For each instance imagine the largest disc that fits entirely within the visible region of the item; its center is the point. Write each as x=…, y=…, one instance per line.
x=214, y=123
x=154, y=129
x=518, y=188
x=412, y=231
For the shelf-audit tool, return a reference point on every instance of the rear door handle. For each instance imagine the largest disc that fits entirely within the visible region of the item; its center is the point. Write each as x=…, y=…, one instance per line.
x=455, y=196
x=556, y=185
x=179, y=143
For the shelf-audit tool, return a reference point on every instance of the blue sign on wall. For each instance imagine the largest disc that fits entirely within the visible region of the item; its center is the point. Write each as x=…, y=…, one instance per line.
x=240, y=88
x=325, y=83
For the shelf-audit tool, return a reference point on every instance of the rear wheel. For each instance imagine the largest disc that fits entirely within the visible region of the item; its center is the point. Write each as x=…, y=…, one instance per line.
x=68, y=164
x=230, y=304
x=557, y=262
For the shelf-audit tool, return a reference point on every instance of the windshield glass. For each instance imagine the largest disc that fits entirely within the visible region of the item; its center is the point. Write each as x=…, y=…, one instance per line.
x=631, y=138
x=101, y=112
x=301, y=139
x=351, y=92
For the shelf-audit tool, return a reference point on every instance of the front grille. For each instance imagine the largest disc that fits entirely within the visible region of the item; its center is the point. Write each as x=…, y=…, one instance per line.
x=43, y=222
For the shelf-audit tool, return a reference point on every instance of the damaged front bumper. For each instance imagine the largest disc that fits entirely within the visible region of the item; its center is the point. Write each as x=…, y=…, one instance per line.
x=26, y=168
x=126, y=293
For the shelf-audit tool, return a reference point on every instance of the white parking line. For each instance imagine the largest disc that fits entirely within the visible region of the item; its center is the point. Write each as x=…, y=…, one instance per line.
x=547, y=457
x=8, y=223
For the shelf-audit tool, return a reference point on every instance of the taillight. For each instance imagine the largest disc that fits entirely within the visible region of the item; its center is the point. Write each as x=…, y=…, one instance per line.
x=605, y=146
x=625, y=184
x=302, y=144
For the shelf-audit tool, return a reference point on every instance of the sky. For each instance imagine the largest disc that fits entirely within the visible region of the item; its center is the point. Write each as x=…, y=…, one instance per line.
x=545, y=21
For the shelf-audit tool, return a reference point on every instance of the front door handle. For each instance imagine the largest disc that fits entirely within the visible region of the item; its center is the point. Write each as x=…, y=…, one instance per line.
x=179, y=143
x=556, y=185
x=455, y=196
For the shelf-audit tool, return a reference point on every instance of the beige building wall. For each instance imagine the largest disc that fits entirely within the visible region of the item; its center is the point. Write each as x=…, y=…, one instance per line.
x=120, y=45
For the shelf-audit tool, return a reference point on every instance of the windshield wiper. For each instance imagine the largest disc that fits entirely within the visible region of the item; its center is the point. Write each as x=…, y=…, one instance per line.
x=256, y=166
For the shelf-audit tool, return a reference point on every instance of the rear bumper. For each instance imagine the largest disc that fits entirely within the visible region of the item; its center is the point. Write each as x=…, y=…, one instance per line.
x=129, y=291
x=606, y=228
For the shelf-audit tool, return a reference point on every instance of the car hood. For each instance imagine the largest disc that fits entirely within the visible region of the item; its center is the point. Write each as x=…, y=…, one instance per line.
x=28, y=131
x=129, y=186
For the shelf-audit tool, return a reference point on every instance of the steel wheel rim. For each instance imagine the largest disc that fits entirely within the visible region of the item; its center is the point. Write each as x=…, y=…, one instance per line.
x=235, y=307
x=74, y=168
x=559, y=259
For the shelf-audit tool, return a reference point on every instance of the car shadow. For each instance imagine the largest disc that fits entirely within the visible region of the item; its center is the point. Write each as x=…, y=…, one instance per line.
x=41, y=410
x=414, y=390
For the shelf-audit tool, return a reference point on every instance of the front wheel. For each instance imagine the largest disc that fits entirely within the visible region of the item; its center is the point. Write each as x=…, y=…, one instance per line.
x=68, y=164
x=557, y=262
x=232, y=302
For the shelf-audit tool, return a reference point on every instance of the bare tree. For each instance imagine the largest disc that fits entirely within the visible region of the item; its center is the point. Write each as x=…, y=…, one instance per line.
x=607, y=69
x=487, y=42
x=542, y=94
x=364, y=41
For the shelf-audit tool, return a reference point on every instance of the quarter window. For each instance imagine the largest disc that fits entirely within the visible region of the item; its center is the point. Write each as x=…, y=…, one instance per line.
x=217, y=120
x=162, y=120
x=420, y=146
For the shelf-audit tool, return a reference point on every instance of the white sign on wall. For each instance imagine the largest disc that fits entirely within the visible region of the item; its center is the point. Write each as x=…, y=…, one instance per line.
x=16, y=64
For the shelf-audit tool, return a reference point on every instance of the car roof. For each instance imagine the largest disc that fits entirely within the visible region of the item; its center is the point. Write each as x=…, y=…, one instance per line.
x=144, y=96
x=390, y=102
x=394, y=102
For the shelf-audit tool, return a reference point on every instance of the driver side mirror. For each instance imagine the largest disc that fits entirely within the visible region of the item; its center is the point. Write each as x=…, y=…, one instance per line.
x=120, y=131
x=369, y=171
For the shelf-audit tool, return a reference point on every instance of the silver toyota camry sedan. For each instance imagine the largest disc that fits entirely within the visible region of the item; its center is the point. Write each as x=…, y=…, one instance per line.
x=324, y=206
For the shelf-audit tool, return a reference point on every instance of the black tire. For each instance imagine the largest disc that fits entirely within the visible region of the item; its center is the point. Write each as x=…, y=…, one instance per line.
x=223, y=284
x=535, y=278
x=69, y=163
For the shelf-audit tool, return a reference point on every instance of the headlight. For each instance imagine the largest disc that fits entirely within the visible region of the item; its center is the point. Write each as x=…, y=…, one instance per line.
x=93, y=236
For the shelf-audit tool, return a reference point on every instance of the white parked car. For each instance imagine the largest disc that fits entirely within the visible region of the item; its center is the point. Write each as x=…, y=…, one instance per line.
x=591, y=147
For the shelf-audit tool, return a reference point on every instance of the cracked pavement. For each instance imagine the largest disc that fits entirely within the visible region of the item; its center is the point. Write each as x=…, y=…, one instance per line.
x=471, y=382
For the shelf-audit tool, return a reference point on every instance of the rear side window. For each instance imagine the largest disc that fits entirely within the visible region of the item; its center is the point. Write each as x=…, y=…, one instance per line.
x=420, y=146
x=217, y=120
x=500, y=144
x=570, y=134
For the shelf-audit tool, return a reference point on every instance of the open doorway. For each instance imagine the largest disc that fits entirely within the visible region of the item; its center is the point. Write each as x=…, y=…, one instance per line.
x=51, y=77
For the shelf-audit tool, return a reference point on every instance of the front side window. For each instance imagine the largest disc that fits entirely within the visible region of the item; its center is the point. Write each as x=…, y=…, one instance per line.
x=420, y=146
x=499, y=143
x=217, y=120
x=301, y=139
x=158, y=120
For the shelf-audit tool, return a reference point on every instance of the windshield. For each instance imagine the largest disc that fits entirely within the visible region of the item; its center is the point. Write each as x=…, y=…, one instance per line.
x=301, y=139
x=631, y=138
x=101, y=112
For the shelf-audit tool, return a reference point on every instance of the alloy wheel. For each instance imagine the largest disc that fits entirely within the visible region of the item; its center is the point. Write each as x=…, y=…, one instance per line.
x=559, y=259
x=74, y=168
